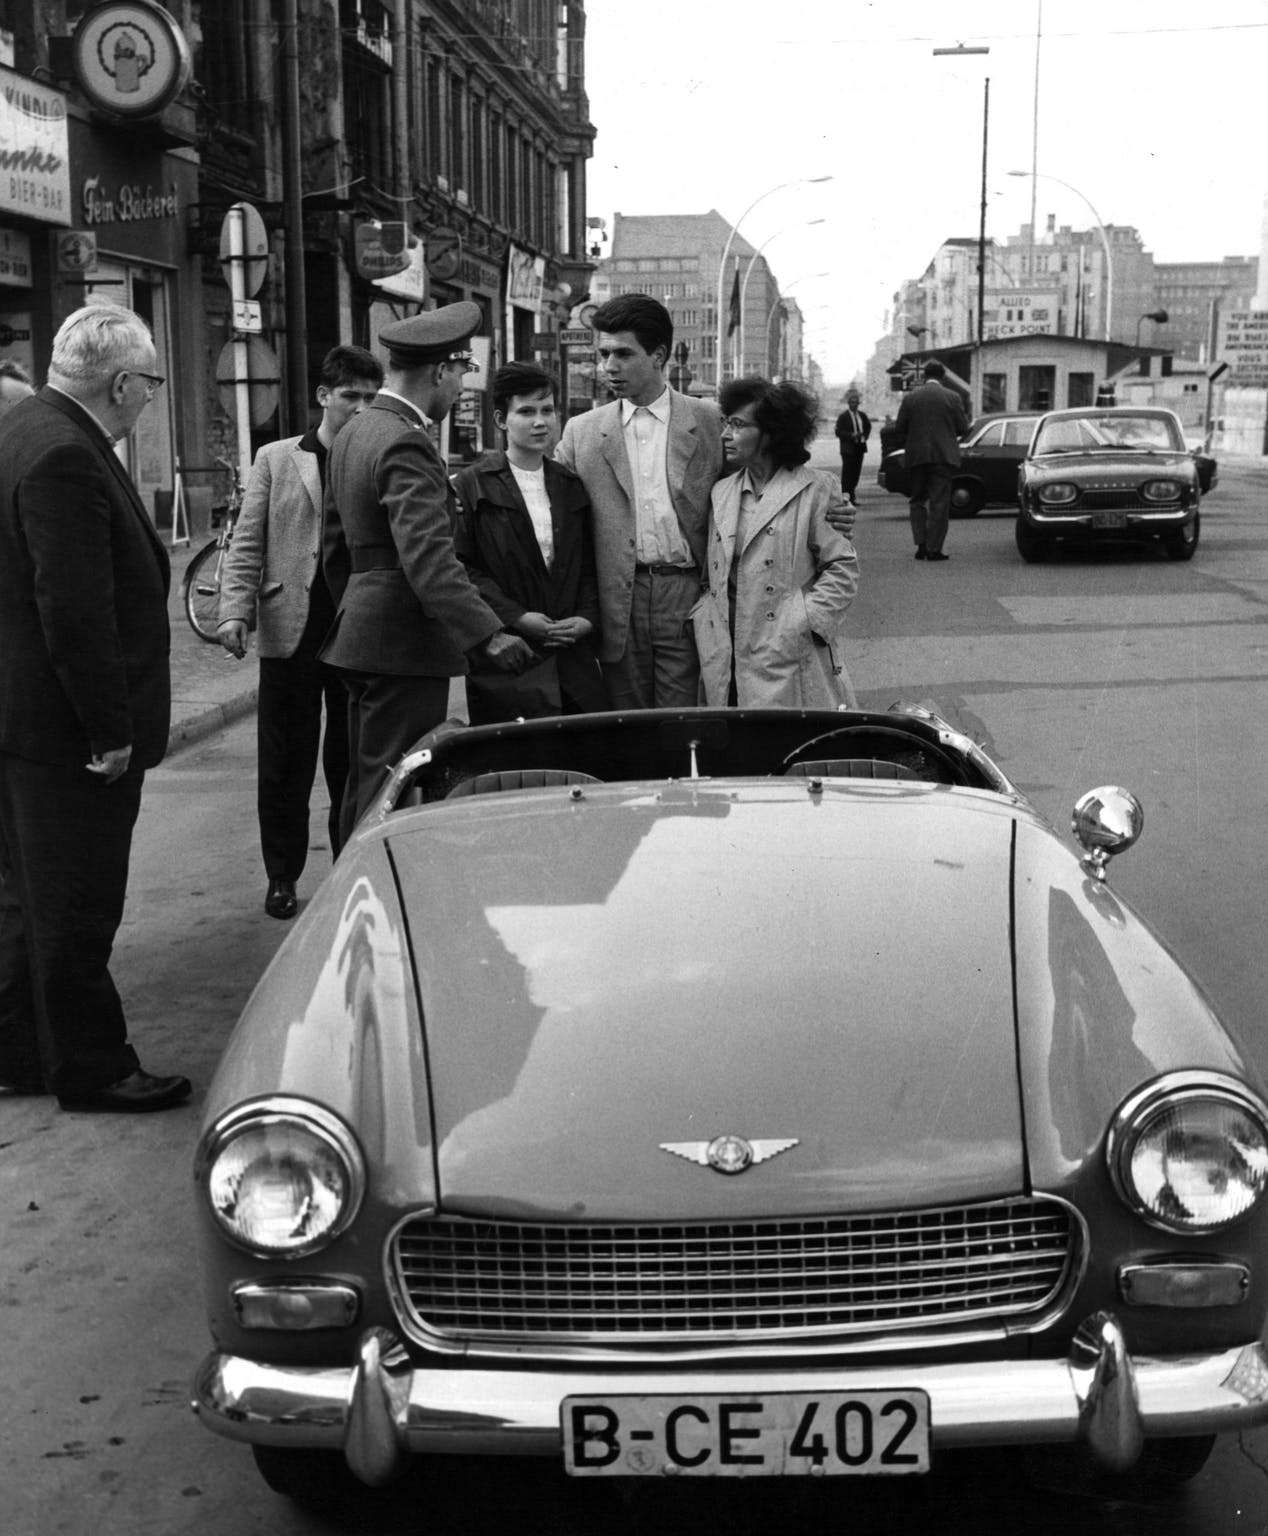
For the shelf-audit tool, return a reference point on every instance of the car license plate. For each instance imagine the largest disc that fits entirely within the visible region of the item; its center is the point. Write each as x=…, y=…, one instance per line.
x=775, y=1434
x=1111, y=519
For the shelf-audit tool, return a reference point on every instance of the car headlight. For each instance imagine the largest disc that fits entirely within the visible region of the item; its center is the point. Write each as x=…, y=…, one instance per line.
x=282, y=1177
x=1189, y=1153
x=1162, y=490
x=1059, y=494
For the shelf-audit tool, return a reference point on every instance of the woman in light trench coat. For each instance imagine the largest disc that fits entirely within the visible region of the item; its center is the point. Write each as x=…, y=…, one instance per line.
x=769, y=629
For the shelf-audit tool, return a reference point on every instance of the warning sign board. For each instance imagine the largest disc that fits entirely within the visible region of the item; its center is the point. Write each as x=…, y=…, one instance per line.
x=1244, y=345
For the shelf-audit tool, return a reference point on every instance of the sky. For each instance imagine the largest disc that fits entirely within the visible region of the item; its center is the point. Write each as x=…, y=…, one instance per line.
x=1152, y=109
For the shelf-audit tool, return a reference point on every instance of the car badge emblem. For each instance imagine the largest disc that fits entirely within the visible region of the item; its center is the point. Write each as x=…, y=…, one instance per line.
x=729, y=1154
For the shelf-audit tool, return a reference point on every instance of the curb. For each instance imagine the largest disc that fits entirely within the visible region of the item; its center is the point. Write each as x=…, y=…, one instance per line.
x=206, y=722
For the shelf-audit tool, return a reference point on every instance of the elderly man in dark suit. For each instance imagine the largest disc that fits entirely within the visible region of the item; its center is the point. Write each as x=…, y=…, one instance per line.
x=409, y=617
x=273, y=575
x=931, y=422
x=84, y=710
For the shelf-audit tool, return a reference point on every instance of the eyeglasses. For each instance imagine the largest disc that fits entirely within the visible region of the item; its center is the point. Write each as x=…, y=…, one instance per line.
x=736, y=424
x=153, y=381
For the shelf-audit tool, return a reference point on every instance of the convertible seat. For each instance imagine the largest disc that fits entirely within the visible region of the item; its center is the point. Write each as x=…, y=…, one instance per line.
x=519, y=778
x=851, y=768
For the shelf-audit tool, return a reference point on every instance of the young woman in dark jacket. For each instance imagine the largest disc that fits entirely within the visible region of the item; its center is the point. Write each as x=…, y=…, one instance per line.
x=524, y=536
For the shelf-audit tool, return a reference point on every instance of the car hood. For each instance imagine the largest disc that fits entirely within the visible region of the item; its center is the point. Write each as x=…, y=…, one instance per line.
x=1109, y=471
x=600, y=977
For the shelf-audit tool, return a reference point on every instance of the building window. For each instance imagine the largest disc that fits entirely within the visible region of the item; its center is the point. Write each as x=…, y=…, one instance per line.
x=994, y=392
x=221, y=67
x=479, y=151
x=434, y=106
x=1081, y=389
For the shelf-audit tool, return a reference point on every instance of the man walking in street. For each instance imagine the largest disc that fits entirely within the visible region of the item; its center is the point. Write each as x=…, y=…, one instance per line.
x=408, y=615
x=931, y=422
x=853, y=429
x=648, y=462
x=85, y=704
x=273, y=572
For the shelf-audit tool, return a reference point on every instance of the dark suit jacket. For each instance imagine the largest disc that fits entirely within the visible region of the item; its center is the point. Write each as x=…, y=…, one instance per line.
x=496, y=542
x=931, y=422
x=845, y=431
x=84, y=578
x=406, y=607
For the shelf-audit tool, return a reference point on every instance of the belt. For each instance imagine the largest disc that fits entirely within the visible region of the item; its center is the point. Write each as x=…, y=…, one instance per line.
x=374, y=557
x=665, y=569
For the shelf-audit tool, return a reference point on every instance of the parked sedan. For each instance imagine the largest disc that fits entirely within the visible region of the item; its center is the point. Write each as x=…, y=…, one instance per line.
x=989, y=459
x=600, y=1107
x=1118, y=472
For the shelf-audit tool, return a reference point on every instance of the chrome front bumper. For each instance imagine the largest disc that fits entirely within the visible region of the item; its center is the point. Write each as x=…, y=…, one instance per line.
x=382, y=1410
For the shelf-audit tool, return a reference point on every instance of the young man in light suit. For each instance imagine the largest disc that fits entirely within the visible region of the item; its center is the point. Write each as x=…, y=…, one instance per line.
x=648, y=461
x=273, y=570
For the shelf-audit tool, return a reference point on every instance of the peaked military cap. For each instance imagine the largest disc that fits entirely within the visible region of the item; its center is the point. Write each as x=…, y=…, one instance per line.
x=432, y=337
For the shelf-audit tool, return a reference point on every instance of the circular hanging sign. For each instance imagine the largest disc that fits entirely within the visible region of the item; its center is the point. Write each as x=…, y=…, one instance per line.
x=130, y=58
x=442, y=251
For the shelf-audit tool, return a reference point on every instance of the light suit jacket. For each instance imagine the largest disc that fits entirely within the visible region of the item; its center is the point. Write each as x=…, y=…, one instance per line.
x=593, y=447
x=797, y=577
x=275, y=555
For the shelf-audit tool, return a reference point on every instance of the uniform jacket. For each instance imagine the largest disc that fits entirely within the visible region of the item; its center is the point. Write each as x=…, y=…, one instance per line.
x=797, y=577
x=496, y=542
x=845, y=430
x=406, y=606
x=931, y=422
x=84, y=637
x=275, y=555
x=593, y=446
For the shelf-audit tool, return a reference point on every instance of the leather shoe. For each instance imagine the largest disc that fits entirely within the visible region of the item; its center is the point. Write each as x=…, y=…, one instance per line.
x=936, y=554
x=281, y=900
x=921, y=553
x=135, y=1094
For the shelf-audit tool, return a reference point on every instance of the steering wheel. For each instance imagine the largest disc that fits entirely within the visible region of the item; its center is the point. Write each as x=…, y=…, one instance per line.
x=950, y=765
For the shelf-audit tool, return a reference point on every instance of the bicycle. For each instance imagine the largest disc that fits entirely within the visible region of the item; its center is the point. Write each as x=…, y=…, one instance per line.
x=202, y=575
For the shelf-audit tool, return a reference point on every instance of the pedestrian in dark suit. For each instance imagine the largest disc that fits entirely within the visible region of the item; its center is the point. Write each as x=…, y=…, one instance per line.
x=273, y=570
x=854, y=427
x=931, y=422
x=408, y=617
x=648, y=462
x=85, y=703
x=524, y=536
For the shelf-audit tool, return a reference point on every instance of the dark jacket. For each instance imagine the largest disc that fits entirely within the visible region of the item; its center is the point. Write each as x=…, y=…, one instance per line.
x=496, y=542
x=84, y=578
x=406, y=607
x=845, y=432
x=931, y=422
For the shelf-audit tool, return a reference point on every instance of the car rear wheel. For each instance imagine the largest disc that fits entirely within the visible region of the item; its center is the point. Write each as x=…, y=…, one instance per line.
x=1031, y=546
x=1181, y=543
x=967, y=498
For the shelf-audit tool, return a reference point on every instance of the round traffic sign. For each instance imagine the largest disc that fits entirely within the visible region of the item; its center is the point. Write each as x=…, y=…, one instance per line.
x=263, y=379
x=254, y=254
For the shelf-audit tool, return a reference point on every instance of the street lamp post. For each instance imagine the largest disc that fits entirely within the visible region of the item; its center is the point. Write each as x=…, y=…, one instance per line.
x=742, y=360
x=798, y=181
x=958, y=50
x=1109, y=258
x=1158, y=316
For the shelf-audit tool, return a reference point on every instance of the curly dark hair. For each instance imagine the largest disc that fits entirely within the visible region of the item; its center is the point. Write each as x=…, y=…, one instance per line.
x=786, y=414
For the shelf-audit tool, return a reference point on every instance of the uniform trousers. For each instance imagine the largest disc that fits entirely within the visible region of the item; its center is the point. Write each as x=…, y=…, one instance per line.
x=65, y=843
x=293, y=690
x=386, y=716
x=851, y=469
x=930, y=504
x=659, y=668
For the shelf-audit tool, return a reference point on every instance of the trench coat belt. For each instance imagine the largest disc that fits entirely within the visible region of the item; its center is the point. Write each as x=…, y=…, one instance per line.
x=373, y=557
x=665, y=569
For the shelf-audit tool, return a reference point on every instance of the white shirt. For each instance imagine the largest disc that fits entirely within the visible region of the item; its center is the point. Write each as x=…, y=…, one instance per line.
x=532, y=484
x=422, y=415
x=645, y=428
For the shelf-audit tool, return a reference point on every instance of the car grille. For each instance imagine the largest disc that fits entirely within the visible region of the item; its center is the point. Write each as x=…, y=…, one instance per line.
x=1126, y=497
x=749, y=1279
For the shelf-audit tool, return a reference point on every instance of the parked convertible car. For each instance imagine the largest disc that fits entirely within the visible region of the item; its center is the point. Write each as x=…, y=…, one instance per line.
x=1115, y=472
x=989, y=459
x=603, y=1105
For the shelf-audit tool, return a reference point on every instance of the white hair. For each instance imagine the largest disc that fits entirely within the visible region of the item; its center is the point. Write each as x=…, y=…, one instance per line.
x=97, y=341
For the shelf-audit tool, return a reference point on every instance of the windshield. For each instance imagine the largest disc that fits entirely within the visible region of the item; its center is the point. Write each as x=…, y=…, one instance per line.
x=1121, y=431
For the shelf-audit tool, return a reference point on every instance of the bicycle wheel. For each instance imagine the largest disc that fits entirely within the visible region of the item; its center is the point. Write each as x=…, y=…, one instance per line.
x=202, y=590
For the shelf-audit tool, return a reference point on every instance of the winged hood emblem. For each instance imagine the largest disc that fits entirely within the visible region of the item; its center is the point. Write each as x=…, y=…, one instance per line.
x=729, y=1154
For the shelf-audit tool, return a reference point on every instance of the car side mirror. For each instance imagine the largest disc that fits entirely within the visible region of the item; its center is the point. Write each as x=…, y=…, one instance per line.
x=1106, y=821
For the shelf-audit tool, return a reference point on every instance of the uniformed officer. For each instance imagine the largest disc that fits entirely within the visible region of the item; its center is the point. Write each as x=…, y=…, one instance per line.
x=408, y=617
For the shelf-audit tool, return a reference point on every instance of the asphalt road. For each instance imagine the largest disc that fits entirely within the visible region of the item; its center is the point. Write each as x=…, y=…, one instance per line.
x=1121, y=668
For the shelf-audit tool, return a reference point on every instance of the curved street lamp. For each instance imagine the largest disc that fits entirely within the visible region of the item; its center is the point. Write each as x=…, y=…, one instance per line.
x=748, y=272
x=798, y=181
x=1109, y=258
x=1158, y=316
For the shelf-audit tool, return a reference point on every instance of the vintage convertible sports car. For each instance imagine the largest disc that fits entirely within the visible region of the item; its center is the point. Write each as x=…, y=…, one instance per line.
x=1114, y=472
x=725, y=1092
